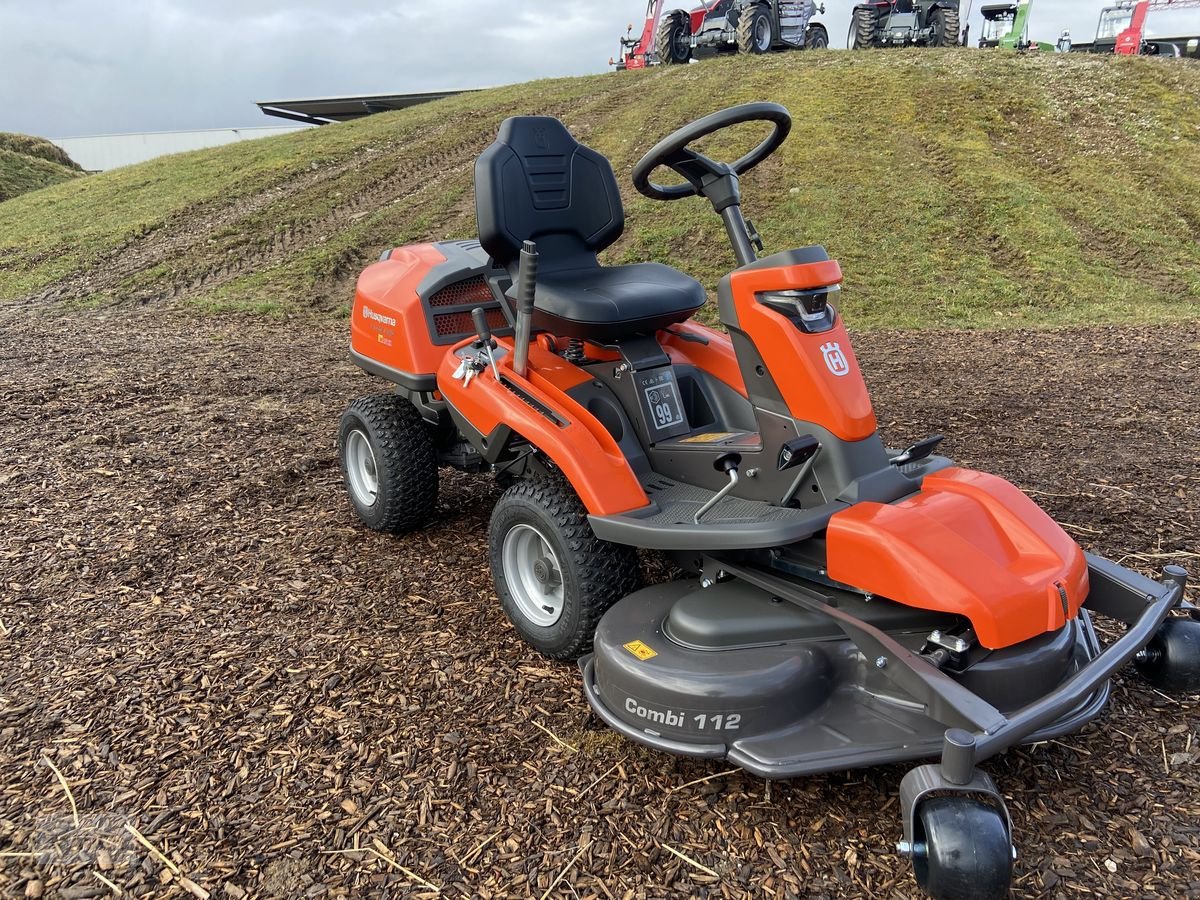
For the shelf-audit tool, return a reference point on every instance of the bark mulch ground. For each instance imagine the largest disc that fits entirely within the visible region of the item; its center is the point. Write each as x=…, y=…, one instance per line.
x=249, y=695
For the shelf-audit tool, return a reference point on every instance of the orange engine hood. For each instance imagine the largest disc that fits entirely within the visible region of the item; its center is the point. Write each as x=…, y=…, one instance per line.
x=970, y=544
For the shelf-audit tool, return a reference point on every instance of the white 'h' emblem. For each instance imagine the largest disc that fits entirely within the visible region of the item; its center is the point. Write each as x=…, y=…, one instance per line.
x=836, y=359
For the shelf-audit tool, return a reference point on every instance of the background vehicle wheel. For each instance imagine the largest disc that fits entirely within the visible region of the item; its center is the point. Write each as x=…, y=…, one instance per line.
x=967, y=853
x=817, y=38
x=755, y=30
x=555, y=578
x=1171, y=661
x=945, y=28
x=672, y=41
x=862, y=30
x=389, y=463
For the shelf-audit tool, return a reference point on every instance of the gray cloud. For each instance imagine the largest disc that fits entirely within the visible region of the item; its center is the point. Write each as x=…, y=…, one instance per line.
x=79, y=67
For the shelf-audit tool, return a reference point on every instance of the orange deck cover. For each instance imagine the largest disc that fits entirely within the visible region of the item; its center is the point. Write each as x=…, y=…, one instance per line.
x=970, y=544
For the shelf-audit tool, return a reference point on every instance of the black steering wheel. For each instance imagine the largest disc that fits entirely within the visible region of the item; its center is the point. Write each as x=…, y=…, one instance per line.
x=697, y=169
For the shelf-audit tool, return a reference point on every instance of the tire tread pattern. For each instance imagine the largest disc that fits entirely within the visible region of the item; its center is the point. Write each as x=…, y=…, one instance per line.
x=606, y=572
x=405, y=459
x=745, y=27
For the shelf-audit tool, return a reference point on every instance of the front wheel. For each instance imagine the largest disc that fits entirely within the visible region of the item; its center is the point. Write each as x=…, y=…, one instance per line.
x=862, y=29
x=755, y=30
x=1171, y=661
x=555, y=578
x=945, y=28
x=817, y=38
x=963, y=850
x=673, y=41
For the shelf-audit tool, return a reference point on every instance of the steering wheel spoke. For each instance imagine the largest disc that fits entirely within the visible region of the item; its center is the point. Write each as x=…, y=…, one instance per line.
x=698, y=170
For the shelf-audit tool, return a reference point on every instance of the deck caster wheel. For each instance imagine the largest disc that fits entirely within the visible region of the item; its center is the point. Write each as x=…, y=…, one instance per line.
x=1171, y=661
x=555, y=578
x=962, y=850
x=389, y=463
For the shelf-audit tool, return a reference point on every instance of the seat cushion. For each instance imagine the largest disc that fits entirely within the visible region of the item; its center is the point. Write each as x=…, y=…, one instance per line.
x=607, y=302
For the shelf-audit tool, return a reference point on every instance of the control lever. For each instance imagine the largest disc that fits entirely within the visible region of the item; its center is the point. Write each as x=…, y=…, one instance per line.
x=918, y=451
x=802, y=452
x=479, y=315
x=526, y=288
x=727, y=463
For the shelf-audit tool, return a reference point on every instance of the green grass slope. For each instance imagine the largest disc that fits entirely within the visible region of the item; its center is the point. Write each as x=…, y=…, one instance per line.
x=960, y=188
x=30, y=163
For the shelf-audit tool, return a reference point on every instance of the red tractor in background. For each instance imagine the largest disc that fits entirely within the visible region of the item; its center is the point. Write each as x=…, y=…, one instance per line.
x=1131, y=41
x=722, y=26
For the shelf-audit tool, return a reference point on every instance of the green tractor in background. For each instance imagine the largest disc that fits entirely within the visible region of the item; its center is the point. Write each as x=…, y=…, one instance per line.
x=904, y=23
x=1006, y=25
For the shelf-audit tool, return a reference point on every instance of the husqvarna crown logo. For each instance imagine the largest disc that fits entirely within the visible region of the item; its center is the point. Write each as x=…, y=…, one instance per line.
x=836, y=359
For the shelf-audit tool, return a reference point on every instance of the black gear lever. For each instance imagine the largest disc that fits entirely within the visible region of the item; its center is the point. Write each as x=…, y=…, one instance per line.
x=486, y=341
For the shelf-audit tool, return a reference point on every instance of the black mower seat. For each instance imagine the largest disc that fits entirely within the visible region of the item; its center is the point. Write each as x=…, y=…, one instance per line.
x=605, y=303
x=537, y=183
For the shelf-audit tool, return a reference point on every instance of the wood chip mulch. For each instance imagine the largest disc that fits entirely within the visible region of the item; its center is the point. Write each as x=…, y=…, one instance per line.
x=214, y=683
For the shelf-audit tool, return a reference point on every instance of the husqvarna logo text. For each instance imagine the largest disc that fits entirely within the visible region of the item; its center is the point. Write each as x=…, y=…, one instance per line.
x=836, y=359
x=369, y=313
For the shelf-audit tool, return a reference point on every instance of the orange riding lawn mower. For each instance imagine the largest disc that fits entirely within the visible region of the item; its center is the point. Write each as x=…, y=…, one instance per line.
x=840, y=604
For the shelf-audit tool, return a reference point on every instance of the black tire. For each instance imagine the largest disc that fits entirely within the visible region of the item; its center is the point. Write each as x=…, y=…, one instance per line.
x=817, y=38
x=670, y=41
x=967, y=850
x=1171, y=661
x=593, y=574
x=402, y=456
x=945, y=28
x=756, y=30
x=863, y=25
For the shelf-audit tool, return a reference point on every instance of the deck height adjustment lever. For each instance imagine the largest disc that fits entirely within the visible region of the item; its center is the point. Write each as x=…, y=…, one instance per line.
x=486, y=343
x=918, y=451
x=727, y=463
x=526, y=289
x=799, y=451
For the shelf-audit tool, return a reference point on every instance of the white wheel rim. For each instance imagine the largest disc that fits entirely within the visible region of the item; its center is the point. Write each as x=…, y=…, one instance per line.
x=534, y=575
x=762, y=34
x=361, y=469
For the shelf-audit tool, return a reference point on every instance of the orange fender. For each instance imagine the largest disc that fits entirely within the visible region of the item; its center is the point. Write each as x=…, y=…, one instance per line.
x=582, y=448
x=970, y=544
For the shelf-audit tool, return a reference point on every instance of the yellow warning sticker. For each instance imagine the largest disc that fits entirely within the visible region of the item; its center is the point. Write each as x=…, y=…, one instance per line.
x=712, y=437
x=640, y=650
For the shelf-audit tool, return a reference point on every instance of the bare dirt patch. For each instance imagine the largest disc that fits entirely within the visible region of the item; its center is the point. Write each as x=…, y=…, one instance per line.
x=201, y=638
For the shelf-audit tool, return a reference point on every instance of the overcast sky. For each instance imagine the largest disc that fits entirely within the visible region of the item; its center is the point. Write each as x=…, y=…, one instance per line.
x=78, y=67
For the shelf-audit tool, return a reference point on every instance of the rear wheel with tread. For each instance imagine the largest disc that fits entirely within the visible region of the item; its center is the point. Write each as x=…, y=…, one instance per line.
x=965, y=852
x=945, y=28
x=555, y=578
x=672, y=41
x=756, y=30
x=389, y=463
x=863, y=24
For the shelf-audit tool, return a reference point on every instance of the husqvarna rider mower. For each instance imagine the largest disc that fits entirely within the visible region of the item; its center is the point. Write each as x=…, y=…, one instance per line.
x=844, y=605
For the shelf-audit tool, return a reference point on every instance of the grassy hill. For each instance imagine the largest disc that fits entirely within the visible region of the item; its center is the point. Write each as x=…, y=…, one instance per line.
x=957, y=187
x=29, y=163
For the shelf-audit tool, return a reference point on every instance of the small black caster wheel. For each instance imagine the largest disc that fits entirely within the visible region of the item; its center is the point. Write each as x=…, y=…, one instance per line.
x=962, y=850
x=1171, y=661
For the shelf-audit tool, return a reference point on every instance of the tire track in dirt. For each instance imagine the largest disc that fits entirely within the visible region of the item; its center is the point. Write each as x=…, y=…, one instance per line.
x=175, y=240
x=1002, y=253
x=1098, y=243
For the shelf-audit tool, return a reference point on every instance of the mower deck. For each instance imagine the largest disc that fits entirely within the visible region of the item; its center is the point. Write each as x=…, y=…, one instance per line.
x=838, y=683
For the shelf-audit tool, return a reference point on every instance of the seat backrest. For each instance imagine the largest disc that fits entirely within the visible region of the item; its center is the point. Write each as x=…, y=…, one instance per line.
x=537, y=183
